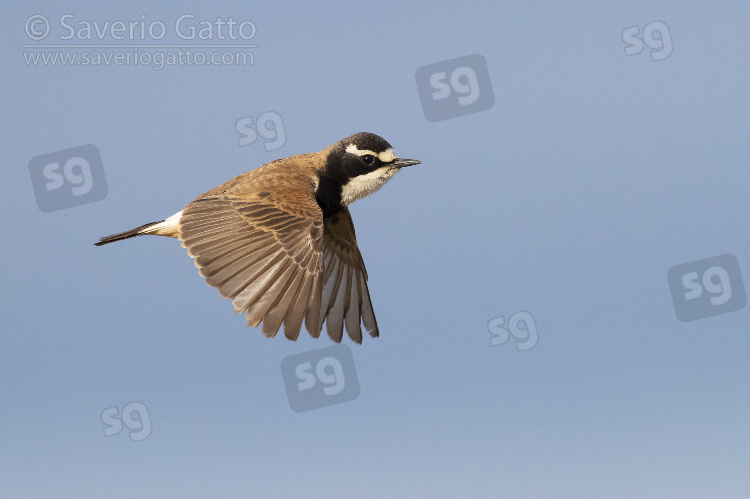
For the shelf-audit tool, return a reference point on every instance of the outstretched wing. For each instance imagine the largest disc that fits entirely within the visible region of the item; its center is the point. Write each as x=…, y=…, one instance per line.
x=346, y=298
x=263, y=255
x=279, y=264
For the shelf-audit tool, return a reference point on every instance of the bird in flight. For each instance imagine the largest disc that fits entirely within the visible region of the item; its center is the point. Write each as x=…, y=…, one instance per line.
x=279, y=240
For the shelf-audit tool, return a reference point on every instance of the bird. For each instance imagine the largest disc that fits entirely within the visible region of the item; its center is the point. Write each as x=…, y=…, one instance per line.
x=279, y=240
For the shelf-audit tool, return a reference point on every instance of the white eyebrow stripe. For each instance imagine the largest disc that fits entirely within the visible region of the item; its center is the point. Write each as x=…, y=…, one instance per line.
x=386, y=156
x=352, y=149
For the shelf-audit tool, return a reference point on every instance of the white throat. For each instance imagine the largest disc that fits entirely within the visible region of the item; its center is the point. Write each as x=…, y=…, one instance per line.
x=364, y=185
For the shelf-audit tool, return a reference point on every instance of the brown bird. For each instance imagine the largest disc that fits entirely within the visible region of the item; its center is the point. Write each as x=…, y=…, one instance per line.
x=279, y=240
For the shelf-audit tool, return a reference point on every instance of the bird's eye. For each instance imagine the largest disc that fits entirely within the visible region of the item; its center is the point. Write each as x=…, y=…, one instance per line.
x=368, y=159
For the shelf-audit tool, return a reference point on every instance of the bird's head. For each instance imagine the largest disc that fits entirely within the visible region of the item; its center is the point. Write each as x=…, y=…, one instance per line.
x=362, y=164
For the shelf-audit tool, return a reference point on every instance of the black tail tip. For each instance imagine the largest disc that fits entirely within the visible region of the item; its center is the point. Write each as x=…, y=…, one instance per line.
x=138, y=231
x=113, y=238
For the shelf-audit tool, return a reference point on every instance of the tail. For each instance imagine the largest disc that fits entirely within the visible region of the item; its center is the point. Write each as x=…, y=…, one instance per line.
x=138, y=231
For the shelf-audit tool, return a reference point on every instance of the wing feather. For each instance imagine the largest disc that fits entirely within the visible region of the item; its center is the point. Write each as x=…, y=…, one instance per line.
x=279, y=261
x=345, y=299
x=261, y=256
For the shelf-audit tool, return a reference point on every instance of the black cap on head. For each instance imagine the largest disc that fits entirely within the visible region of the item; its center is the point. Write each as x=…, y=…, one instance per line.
x=367, y=141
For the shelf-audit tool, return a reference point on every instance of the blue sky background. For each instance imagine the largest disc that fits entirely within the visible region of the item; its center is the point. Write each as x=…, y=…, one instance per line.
x=591, y=176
